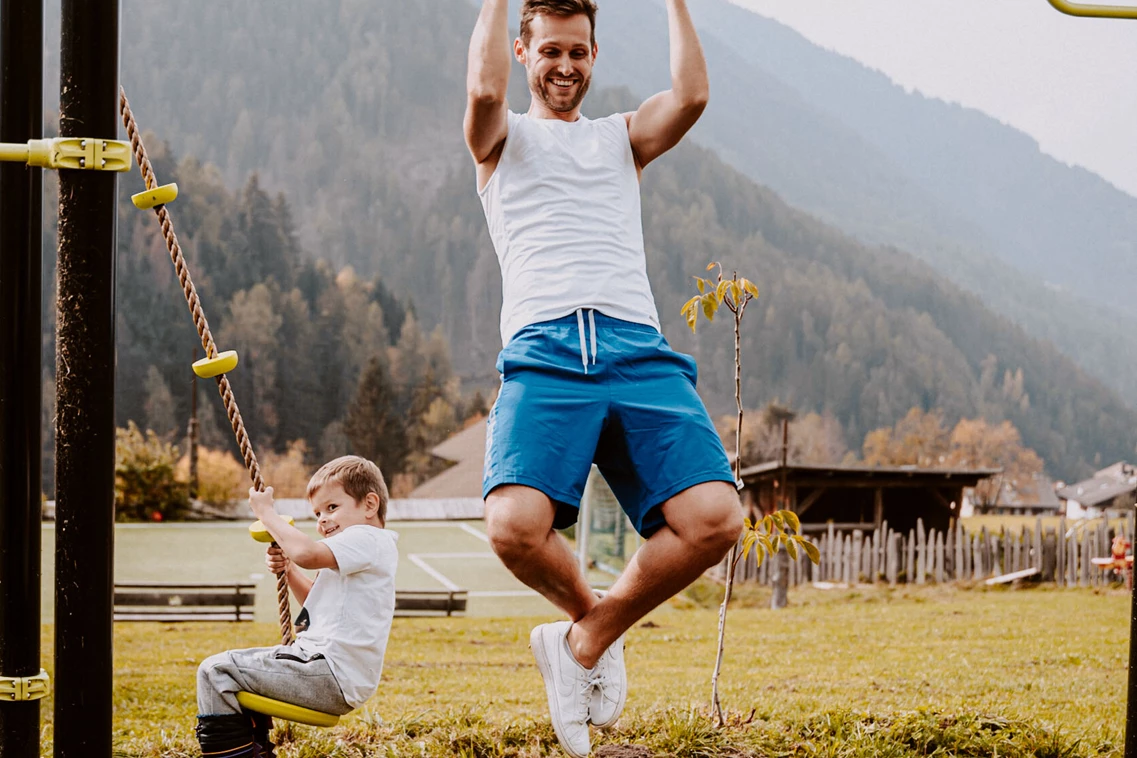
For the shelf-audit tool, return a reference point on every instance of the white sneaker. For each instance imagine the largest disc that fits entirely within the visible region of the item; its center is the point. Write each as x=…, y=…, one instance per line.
x=607, y=702
x=568, y=686
x=611, y=683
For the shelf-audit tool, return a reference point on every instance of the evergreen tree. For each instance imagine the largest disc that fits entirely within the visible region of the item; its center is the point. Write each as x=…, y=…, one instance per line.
x=373, y=425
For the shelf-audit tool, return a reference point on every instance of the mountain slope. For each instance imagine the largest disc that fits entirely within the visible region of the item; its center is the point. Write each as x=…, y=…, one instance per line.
x=354, y=110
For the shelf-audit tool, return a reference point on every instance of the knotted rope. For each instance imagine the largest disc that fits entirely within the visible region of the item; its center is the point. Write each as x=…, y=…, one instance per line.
x=207, y=343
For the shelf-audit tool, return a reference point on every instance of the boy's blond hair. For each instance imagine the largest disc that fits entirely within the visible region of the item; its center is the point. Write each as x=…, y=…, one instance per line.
x=358, y=477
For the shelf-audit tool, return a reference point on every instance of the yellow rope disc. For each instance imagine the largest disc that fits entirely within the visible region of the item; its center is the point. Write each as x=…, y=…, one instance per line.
x=222, y=363
x=286, y=711
x=152, y=198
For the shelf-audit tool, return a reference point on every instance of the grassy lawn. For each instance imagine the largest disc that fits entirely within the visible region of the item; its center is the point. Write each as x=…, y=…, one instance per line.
x=861, y=672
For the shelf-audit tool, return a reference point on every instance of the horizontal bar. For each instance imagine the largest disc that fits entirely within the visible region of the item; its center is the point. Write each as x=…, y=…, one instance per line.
x=1095, y=11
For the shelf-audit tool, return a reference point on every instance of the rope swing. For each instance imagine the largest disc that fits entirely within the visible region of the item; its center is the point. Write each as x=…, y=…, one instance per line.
x=215, y=364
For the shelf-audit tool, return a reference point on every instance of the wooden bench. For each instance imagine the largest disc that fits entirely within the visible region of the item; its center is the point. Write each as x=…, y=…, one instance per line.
x=168, y=601
x=429, y=602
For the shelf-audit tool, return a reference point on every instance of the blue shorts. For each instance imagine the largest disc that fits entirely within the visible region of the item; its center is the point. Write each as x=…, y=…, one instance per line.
x=617, y=396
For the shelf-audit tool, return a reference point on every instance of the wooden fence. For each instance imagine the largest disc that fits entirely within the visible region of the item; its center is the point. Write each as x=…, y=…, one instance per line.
x=1061, y=555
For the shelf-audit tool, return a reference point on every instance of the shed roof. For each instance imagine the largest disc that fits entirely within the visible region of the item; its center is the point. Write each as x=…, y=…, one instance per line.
x=913, y=476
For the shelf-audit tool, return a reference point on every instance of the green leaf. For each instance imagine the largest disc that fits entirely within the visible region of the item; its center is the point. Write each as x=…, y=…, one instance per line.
x=812, y=551
x=710, y=305
x=721, y=290
x=691, y=312
x=793, y=521
x=748, y=541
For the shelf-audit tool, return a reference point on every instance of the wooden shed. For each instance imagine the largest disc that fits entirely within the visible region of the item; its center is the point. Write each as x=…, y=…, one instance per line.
x=860, y=497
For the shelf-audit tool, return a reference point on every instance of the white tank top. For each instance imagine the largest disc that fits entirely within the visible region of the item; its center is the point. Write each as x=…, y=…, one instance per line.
x=563, y=207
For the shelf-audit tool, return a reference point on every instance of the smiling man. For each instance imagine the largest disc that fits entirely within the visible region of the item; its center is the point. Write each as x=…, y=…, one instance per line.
x=587, y=377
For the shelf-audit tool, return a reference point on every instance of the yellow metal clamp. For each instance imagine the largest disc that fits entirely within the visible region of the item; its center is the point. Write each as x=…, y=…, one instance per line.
x=70, y=152
x=15, y=689
x=1095, y=11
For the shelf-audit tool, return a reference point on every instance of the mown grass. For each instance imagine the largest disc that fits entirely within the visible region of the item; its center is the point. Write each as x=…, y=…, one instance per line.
x=848, y=673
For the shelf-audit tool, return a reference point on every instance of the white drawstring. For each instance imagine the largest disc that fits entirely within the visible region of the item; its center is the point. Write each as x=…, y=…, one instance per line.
x=583, y=342
x=592, y=328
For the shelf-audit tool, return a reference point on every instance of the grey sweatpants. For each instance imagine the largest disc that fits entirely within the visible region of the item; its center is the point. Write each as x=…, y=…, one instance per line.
x=281, y=673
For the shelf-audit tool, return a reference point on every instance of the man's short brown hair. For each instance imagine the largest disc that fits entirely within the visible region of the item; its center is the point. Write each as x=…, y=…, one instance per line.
x=530, y=9
x=358, y=477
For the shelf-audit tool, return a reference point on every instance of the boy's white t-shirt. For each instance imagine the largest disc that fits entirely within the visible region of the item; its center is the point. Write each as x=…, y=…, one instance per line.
x=351, y=609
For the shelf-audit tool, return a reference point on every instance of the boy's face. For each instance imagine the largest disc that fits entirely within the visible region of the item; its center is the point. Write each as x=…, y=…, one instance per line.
x=335, y=510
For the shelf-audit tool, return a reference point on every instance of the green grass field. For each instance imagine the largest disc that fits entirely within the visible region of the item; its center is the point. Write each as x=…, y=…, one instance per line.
x=840, y=673
x=857, y=672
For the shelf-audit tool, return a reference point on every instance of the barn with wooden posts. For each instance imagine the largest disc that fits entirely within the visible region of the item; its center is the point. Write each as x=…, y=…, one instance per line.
x=860, y=497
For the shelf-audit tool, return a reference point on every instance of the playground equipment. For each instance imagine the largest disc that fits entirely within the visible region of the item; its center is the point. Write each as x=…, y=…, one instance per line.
x=216, y=365
x=1118, y=562
x=1095, y=11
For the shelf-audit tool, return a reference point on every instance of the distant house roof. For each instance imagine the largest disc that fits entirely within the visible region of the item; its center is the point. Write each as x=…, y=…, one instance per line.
x=467, y=449
x=1097, y=491
x=1109, y=483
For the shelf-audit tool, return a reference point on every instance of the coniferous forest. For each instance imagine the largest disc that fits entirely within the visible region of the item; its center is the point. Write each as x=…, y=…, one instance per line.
x=329, y=215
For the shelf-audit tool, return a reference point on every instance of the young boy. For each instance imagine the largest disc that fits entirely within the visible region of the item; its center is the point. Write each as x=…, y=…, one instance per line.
x=335, y=662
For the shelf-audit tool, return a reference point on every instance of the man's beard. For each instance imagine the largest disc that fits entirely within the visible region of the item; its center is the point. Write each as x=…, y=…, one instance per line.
x=540, y=87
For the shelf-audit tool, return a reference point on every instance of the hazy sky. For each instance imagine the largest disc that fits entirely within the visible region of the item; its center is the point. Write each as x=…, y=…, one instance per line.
x=1071, y=83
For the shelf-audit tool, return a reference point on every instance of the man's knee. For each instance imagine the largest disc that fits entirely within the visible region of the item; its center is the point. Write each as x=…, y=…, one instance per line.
x=708, y=516
x=725, y=525
x=518, y=522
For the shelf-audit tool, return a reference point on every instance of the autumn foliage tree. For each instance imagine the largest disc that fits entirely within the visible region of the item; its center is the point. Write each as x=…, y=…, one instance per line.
x=921, y=439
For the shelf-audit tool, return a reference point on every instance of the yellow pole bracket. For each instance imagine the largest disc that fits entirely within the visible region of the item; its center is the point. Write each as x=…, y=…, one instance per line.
x=70, y=152
x=20, y=688
x=152, y=198
x=1095, y=11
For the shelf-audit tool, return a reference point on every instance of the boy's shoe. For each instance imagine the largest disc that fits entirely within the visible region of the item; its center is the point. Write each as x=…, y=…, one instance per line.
x=226, y=736
x=568, y=686
x=611, y=677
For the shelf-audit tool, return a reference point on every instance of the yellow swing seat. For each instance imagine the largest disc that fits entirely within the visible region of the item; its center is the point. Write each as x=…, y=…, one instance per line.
x=287, y=711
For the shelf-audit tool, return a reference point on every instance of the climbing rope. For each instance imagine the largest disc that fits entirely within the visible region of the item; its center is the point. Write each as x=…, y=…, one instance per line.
x=206, y=336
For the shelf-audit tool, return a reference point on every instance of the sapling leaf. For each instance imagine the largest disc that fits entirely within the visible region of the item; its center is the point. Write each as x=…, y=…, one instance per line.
x=793, y=521
x=812, y=551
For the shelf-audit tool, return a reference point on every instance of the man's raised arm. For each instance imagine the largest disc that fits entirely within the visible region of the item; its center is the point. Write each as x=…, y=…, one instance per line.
x=664, y=118
x=487, y=81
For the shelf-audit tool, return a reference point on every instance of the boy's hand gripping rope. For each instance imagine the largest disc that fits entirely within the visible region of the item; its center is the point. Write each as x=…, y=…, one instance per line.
x=206, y=341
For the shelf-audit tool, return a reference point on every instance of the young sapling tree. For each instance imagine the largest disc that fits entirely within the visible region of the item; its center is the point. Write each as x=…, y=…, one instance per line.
x=776, y=530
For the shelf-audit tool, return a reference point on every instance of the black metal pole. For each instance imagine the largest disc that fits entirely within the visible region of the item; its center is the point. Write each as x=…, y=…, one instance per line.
x=21, y=229
x=1131, y=700
x=85, y=364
